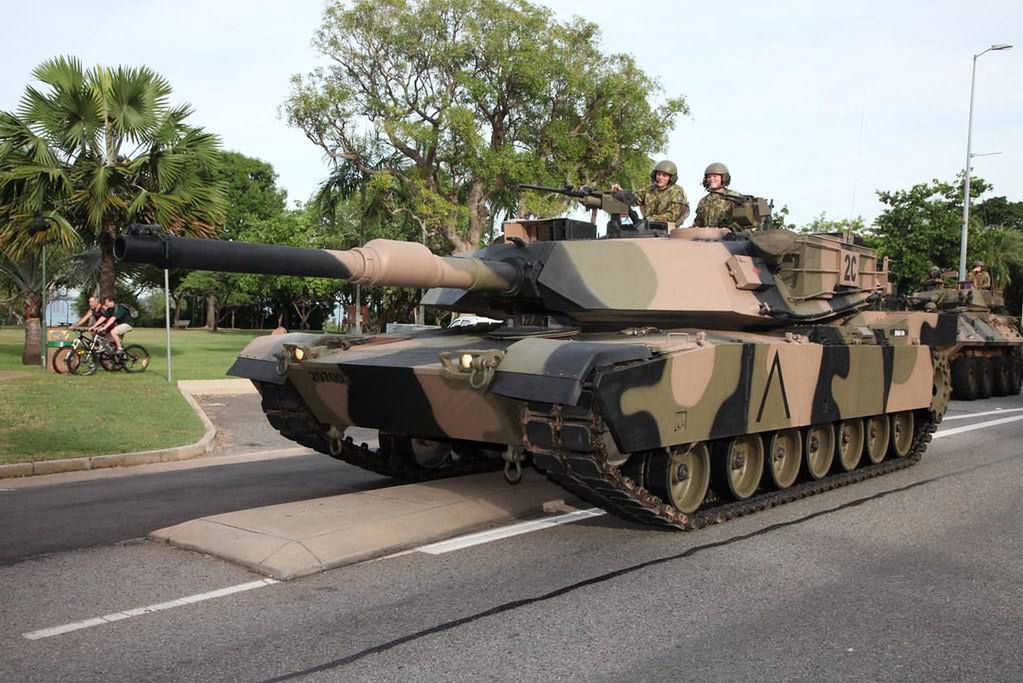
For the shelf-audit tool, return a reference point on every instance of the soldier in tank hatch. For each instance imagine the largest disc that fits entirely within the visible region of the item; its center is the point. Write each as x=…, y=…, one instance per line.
x=978, y=277
x=715, y=209
x=663, y=200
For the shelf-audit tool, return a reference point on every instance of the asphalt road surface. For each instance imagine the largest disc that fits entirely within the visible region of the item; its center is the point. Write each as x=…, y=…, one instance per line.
x=914, y=576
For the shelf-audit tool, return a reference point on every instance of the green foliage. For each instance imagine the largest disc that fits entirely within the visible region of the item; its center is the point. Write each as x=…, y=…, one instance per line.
x=921, y=227
x=98, y=149
x=823, y=224
x=467, y=98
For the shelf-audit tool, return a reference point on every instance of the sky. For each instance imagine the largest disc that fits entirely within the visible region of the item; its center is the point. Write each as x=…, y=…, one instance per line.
x=816, y=105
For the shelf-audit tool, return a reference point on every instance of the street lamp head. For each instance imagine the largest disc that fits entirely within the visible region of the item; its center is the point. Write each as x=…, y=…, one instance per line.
x=1001, y=46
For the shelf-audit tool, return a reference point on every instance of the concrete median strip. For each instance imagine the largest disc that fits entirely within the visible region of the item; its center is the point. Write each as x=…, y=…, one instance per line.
x=296, y=539
x=188, y=389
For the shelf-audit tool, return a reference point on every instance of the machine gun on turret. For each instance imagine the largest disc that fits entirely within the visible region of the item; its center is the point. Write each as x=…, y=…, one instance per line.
x=615, y=204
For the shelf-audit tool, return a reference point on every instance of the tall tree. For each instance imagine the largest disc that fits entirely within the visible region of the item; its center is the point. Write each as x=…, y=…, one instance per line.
x=102, y=148
x=475, y=96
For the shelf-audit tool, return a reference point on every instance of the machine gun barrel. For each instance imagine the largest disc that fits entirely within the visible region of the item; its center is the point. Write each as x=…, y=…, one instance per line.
x=380, y=262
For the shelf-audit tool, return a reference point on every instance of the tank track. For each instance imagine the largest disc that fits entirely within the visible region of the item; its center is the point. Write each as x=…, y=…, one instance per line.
x=289, y=415
x=591, y=477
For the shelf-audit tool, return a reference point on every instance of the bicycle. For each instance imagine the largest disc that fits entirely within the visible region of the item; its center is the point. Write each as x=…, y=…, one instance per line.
x=85, y=353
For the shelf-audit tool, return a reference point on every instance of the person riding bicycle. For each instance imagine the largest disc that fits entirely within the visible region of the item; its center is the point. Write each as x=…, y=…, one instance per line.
x=116, y=321
x=93, y=315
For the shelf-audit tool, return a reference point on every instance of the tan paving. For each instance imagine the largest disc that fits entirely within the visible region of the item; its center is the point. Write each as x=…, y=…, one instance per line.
x=217, y=387
x=296, y=539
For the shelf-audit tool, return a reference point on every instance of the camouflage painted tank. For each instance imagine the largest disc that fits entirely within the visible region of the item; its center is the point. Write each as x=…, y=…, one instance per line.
x=986, y=358
x=675, y=379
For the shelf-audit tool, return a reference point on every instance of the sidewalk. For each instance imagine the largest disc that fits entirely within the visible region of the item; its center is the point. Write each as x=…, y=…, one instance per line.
x=189, y=389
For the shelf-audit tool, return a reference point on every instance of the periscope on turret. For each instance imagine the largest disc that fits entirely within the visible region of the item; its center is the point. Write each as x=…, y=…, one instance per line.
x=675, y=377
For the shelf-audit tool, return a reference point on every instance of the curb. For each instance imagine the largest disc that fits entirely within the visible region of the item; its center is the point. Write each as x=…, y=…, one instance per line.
x=290, y=540
x=201, y=447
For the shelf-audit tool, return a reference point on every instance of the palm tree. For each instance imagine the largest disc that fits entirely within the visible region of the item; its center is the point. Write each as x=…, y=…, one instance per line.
x=101, y=149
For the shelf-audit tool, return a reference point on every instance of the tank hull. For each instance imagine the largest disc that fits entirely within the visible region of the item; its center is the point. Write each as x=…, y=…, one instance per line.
x=609, y=399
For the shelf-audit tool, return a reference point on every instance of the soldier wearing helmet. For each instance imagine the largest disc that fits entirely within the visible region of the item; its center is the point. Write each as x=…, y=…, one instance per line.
x=715, y=209
x=934, y=280
x=663, y=200
x=978, y=277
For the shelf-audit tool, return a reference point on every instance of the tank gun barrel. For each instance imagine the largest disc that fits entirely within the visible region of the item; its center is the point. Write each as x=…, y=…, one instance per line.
x=380, y=262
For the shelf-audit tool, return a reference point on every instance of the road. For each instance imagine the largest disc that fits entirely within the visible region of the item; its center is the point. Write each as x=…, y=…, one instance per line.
x=912, y=576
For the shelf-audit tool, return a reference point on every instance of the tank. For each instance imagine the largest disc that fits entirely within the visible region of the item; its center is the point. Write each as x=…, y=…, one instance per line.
x=986, y=358
x=675, y=379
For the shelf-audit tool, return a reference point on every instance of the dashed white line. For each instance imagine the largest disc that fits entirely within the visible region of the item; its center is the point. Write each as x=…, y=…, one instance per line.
x=506, y=532
x=996, y=411
x=139, y=611
x=979, y=425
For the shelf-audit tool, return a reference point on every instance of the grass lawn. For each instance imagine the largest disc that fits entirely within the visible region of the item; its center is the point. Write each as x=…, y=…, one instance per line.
x=45, y=415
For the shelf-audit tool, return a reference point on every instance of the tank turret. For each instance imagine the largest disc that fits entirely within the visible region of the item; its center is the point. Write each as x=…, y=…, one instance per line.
x=692, y=277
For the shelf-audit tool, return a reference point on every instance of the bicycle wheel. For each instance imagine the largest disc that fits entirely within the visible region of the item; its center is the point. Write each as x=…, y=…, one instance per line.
x=82, y=363
x=136, y=358
x=109, y=361
x=61, y=358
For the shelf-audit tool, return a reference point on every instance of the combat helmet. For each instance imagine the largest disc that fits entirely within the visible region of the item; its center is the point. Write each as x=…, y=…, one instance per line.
x=665, y=166
x=935, y=272
x=978, y=264
x=720, y=169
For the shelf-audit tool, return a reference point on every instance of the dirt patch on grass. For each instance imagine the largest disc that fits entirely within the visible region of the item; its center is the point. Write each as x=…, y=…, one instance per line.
x=13, y=374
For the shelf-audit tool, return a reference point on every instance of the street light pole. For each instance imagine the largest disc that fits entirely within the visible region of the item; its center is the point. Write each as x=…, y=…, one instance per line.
x=964, y=237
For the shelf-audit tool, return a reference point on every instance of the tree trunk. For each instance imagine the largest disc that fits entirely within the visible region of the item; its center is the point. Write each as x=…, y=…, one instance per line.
x=211, y=313
x=107, y=270
x=33, y=329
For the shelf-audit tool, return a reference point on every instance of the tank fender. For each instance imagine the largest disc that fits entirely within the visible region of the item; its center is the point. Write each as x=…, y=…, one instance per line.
x=258, y=360
x=554, y=370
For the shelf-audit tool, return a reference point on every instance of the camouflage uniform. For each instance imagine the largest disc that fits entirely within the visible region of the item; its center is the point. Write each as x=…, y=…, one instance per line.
x=669, y=204
x=714, y=211
x=981, y=280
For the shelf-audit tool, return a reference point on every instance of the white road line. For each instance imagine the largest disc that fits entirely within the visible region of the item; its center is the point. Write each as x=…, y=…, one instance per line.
x=505, y=532
x=139, y=611
x=996, y=411
x=980, y=425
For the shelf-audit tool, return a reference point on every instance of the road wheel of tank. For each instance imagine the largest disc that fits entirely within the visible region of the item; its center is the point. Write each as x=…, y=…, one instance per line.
x=849, y=444
x=680, y=476
x=964, y=379
x=739, y=465
x=819, y=449
x=1014, y=375
x=985, y=378
x=875, y=438
x=901, y=434
x=999, y=376
x=784, y=455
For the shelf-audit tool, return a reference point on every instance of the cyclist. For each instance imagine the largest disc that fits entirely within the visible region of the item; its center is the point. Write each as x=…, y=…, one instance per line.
x=93, y=315
x=116, y=321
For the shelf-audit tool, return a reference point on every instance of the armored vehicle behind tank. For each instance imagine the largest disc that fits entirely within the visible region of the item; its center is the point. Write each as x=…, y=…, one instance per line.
x=986, y=358
x=673, y=379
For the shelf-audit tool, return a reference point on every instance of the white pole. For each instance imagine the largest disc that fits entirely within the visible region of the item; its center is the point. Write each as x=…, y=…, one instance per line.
x=166, y=318
x=964, y=237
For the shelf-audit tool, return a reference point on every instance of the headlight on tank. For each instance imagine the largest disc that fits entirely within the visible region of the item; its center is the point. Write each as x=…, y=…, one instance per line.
x=476, y=366
x=298, y=353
